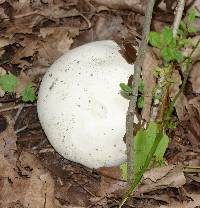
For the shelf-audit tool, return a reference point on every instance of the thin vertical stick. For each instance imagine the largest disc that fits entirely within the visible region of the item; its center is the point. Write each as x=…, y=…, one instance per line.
x=178, y=17
x=135, y=83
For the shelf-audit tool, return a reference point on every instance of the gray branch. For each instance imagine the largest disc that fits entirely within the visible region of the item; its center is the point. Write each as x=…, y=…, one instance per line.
x=135, y=83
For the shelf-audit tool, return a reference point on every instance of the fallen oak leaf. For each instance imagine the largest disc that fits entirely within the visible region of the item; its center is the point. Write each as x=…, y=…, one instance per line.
x=162, y=177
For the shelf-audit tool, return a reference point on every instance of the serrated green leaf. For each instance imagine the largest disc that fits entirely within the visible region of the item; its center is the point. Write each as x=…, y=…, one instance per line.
x=168, y=38
x=126, y=88
x=192, y=15
x=177, y=55
x=192, y=29
x=143, y=142
x=141, y=87
x=140, y=102
x=167, y=54
x=155, y=39
x=8, y=82
x=28, y=94
x=124, y=171
x=171, y=54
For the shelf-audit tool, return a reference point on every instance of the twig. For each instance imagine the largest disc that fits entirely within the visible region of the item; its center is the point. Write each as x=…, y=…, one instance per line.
x=178, y=17
x=135, y=83
x=19, y=111
x=8, y=108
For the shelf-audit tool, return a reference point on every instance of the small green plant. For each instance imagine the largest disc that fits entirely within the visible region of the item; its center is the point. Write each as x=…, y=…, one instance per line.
x=28, y=94
x=128, y=90
x=9, y=82
x=151, y=143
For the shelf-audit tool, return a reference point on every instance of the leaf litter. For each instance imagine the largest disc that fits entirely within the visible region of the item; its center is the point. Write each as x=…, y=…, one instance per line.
x=33, y=35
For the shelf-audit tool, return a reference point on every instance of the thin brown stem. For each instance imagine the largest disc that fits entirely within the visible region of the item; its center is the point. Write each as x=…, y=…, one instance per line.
x=135, y=83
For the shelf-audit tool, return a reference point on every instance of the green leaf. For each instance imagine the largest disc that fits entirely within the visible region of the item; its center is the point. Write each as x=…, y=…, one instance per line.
x=143, y=142
x=28, y=94
x=171, y=125
x=155, y=39
x=167, y=36
x=192, y=15
x=171, y=54
x=124, y=171
x=140, y=102
x=192, y=29
x=126, y=88
x=177, y=55
x=157, y=97
x=180, y=32
x=161, y=149
x=8, y=82
x=141, y=87
x=185, y=42
x=167, y=54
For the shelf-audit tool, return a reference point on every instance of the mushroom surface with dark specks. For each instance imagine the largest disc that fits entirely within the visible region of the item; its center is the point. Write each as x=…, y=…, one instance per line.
x=83, y=114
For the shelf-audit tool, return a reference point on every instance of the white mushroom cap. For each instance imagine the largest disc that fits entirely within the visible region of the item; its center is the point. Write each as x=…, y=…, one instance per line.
x=80, y=107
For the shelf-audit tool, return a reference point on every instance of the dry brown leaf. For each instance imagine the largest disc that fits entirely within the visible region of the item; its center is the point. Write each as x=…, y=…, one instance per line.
x=180, y=106
x=109, y=186
x=28, y=49
x=57, y=41
x=196, y=54
x=175, y=87
x=24, y=80
x=193, y=108
x=33, y=189
x=108, y=26
x=193, y=203
x=23, y=180
x=120, y=4
x=4, y=42
x=160, y=178
x=195, y=77
x=111, y=181
x=149, y=65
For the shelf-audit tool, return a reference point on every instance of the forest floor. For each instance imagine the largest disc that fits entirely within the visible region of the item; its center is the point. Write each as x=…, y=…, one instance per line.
x=32, y=175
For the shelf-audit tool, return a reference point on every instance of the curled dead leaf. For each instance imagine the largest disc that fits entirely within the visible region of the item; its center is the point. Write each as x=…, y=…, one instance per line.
x=195, y=77
x=163, y=177
x=149, y=65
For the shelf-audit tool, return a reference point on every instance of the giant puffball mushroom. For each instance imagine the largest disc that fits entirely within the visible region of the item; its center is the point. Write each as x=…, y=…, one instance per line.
x=80, y=107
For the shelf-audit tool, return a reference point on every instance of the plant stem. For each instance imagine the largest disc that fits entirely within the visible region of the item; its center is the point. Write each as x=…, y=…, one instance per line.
x=137, y=180
x=159, y=91
x=135, y=83
x=190, y=169
x=187, y=72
